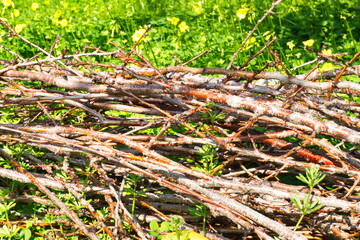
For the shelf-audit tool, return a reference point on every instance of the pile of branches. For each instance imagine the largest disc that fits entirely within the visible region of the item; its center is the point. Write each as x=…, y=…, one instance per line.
x=262, y=128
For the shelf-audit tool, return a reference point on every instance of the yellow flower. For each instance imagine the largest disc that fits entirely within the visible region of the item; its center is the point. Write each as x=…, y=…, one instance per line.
x=291, y=45
x=251, y=40
x=308, y=43
x=66, y=4
x=19, y=27
x=7, y=3
x=326, y=52
x=34, y=6
x=63, y=23
x=197, y=8
x=138, y=34
x=57, y=14
x=16, y=12
x=327, y=67
x=47, y=2
x=174, y=20
x=183, y=27
x=268, y=35
x=241, y=13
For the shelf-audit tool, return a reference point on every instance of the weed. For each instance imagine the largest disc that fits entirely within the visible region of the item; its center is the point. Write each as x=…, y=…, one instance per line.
x=132, y=189
x=10, y=230
x=172, y=230
x=212, y=115
x=202, y=211
x=208, y=160
x=173, y=225
x=5, y=207
x=307, y=205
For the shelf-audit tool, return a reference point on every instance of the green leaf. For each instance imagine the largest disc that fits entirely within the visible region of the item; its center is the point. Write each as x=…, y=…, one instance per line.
x=319, y=178
x=176, y=222
x=195, y=212
x=25, y=234
x=302, y=178
x=4, y=207
x=314, y=209
x=154, y=225
x=7, y=231
x=297, y=202
x=155, y=234
x=165, y=226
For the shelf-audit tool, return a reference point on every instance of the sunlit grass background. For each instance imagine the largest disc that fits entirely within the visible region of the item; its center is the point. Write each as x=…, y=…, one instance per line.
x=186, y=28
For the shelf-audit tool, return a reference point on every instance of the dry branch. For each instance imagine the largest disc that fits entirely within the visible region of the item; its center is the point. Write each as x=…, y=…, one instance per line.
x=265, y=126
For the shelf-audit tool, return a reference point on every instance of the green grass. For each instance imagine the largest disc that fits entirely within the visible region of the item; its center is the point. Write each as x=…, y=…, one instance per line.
x=212, y=25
